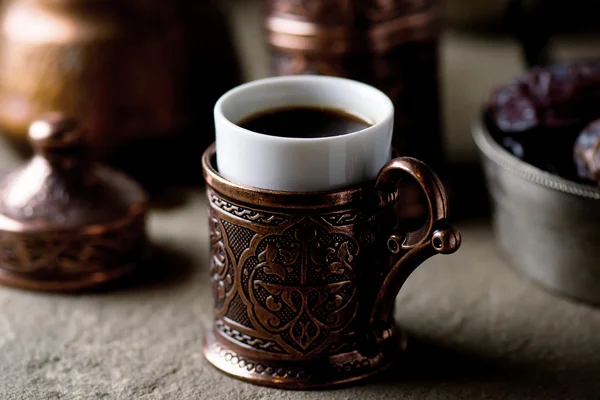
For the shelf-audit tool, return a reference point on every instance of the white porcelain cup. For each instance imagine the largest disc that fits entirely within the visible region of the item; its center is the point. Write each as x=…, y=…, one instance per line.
x=302, y=164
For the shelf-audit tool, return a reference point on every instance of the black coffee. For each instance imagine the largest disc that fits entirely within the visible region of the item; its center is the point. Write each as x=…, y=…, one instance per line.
x=304, y=122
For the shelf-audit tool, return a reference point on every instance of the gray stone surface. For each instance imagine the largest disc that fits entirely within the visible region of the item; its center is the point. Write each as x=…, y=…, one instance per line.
x=481, y=332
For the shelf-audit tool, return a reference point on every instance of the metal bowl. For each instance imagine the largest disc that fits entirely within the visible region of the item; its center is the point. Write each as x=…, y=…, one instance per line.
x=548, y=227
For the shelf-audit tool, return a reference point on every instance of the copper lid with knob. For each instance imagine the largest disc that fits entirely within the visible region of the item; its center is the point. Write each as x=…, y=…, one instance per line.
x=67, y=223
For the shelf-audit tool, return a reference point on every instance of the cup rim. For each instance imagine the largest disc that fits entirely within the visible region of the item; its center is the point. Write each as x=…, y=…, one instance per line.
x=316, y=200
x=305, y=78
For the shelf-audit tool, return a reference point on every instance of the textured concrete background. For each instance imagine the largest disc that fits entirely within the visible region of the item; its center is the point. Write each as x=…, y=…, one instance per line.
x=481, y=331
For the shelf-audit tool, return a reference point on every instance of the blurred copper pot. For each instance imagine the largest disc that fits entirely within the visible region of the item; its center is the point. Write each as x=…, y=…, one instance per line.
x=127, y=69
x=390, y=44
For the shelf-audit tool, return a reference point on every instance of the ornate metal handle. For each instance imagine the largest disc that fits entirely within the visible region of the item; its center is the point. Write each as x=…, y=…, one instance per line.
x=436, y=236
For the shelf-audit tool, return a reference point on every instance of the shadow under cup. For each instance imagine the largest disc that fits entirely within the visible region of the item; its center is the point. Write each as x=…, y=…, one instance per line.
x=304, y=283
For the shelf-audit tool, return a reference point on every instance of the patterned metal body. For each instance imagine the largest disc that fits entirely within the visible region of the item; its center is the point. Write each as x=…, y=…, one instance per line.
x=304, y=283
x=66, y=224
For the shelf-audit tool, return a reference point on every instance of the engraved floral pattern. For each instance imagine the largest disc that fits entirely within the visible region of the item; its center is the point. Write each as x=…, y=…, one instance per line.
x=221, y=269
x=62, y=254
x=301, y=284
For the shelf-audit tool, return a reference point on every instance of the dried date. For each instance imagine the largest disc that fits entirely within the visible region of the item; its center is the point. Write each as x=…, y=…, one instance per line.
x=556, y=96
x=538, y=116
x=587, y=152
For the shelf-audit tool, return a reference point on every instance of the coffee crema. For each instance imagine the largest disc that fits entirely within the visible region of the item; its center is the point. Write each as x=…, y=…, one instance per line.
x=304, y=122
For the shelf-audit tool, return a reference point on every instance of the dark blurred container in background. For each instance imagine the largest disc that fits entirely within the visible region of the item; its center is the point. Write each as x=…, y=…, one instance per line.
x=141, y=75
x=390, y=44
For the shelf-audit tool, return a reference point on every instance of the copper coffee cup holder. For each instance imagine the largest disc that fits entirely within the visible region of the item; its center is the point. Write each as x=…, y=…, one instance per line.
x=66, y=223
x=304, y=283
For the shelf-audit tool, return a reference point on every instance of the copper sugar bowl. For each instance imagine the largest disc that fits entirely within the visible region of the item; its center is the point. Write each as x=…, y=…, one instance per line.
x=66, y=223
x=304, y=284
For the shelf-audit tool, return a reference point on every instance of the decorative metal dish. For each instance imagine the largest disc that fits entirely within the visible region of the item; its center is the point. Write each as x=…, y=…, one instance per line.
x=548, y=226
